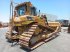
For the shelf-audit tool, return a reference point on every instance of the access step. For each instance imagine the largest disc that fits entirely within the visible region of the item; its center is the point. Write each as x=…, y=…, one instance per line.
x=33, y=27
x=26, y=35
x=31, y=30
x=30, y=33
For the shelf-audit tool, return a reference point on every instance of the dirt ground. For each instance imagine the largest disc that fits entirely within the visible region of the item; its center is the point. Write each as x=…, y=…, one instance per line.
x=59, y=44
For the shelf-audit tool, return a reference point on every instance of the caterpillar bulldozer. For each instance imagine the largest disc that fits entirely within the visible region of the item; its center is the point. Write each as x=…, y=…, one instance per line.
x=29, y=28
x=69, y=28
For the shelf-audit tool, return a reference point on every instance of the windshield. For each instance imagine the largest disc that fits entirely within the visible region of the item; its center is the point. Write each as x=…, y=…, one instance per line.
x=21, y=11
x=33, y=11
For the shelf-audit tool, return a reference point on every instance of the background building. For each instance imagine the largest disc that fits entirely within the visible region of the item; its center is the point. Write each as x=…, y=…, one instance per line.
x=50, y=17
x=64, y=22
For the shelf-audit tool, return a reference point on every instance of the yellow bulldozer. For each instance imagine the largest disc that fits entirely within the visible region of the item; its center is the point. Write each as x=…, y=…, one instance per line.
x=28, y=28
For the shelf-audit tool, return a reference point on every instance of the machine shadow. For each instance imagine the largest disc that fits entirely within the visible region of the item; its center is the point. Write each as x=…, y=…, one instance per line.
x=25, y=49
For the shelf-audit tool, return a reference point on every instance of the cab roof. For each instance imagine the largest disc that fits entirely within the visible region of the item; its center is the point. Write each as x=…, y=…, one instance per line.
x=22, y=4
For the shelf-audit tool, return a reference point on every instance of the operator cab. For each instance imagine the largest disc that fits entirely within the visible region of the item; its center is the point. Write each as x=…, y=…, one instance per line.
x=25, y=9
x=21, y=11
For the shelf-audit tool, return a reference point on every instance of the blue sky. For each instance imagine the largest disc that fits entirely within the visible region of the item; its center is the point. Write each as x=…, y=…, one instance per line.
x=60, y=8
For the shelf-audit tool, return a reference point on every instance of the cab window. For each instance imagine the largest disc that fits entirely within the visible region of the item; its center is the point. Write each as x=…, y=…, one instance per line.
x=21, y=11
x=33, y=11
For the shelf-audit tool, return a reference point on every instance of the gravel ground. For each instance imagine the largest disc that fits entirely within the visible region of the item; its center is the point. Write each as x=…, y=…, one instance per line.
x=59, y=44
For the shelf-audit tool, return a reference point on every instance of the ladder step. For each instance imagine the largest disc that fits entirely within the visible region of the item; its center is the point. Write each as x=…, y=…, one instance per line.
x=25, y=44
x=26, y=35
x=30, y=33
x=24, y=38
x=20, y=41
x=32, y=30
x=35, y=25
